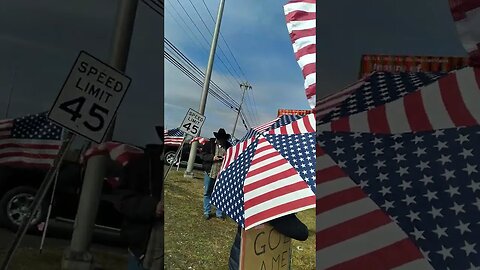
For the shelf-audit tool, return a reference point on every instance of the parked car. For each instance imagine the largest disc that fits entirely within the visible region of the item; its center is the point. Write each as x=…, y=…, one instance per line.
x=18, y=187
x=171, y=151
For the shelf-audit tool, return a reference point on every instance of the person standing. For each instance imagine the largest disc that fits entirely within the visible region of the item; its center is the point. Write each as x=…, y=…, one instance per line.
x=141, y=203
x=212, y=155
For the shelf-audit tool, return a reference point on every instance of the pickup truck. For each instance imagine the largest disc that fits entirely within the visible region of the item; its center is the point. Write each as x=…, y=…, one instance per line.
x=19, y=185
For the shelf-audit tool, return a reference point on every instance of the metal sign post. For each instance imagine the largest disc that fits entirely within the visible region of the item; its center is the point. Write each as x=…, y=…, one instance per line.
x=179, y=159
x=176, y=158
x=39, y=196
x=44, y=234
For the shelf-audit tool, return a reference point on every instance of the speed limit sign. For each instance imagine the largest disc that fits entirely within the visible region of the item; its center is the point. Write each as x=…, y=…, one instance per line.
x=192, y=123
x=89, y=98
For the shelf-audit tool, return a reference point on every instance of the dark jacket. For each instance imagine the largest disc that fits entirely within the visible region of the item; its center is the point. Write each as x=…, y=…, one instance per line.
x=208, y=152
x=288, y=225
x=138, y=195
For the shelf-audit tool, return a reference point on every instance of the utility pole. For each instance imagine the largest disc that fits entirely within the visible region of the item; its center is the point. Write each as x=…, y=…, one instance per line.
x=206, y=86
x=78, y=257
x=245, y=86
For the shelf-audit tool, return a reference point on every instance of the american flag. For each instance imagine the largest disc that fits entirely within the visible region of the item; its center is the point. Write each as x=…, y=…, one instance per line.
x=466, y=14
x=301, y=23
x=119, y=152
x=200, y=140
x=279, y=121
x=398, y=174
x=270, y=175
x=173, y=137
x=241, y=145
x=31, y=141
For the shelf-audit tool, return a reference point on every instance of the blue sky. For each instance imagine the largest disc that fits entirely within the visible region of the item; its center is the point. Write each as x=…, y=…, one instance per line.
x=257, y=35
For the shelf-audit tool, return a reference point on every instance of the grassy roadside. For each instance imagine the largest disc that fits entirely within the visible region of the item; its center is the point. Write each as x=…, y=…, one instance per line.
x=193, y=243
x=50, y=259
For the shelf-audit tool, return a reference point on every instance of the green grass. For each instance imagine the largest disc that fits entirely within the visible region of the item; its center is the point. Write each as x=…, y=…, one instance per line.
x=193, y=243
x=51, y=259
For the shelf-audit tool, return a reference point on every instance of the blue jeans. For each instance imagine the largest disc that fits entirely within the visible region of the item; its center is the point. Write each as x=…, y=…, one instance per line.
x=208, y=184
x=134, y=263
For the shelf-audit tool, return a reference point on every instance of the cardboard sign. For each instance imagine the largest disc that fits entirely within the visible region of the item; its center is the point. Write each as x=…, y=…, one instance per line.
x=263, y=248
x=192, y=123
x=89, y=98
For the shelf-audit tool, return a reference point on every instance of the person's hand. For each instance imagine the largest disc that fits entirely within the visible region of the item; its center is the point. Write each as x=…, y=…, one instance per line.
x=159, y=211
x=217, y=158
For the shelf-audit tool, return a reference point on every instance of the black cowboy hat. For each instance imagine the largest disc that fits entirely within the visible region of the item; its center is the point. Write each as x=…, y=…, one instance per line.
x=221, y=134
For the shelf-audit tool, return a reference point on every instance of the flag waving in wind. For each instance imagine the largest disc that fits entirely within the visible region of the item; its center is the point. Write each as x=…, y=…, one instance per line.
x=301, y=24
x=30, y=142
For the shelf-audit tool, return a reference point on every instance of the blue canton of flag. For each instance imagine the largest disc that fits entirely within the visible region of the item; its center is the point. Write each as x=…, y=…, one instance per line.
x=285, y=120
x=428, y=183
x=381, y=88
x=235, y=178
x=300, y=151
x=36, y=127
x=175, y=132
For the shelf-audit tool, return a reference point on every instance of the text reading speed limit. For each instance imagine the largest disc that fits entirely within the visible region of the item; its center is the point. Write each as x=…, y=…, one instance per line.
x=192, y=123
x=89, y=98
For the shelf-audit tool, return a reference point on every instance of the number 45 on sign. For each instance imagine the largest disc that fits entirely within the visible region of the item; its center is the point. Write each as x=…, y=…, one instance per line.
x=192, y=123
x=89, y=98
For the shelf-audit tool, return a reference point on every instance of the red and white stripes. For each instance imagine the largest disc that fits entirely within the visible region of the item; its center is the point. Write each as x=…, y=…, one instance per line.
x=122, y=153
x=449, y=102
x=265, y=126
x=329, y=103
x=273, y=187
x=234, y=152
x=301, y=23
x=25, y=153
x=466, y=14
x=303, y=125
x=352, y=231
x=5, y=128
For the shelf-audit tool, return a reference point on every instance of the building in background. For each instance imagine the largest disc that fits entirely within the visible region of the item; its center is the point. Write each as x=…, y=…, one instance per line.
x=392, y=63
x=294, y=112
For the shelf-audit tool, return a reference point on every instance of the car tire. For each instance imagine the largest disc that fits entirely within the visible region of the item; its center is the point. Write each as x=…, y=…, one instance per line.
x=170, y=157
x=14, y=204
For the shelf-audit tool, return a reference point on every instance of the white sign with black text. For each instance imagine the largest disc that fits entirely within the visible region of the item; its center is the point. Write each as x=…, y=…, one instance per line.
x=89, y=98
x=192, y=123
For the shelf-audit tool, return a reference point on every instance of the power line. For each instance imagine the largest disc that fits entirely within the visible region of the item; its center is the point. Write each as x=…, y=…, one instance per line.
x=205, y=39
x=226, y=43
x=234, y=58
x=216, y=91
x=198, y=70
x=195, y=39
x=186, y=24
x=219, y=47
x=194, y=78
x=255, y=109
x=154, y=5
